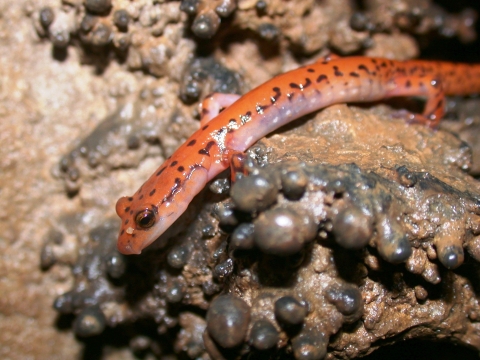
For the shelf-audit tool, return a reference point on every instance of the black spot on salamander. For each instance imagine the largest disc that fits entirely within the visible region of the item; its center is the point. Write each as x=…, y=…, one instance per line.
x=321, y=78
x=191, y=142
x=152, y=192
x=141, y=197
x=259, y=108
x=364, y=68
x=174, y=163
x=383, y=64
x=310, y=70
x=413, y=70
x=160, y=171
x=130, y=198
x=408, y=84
x=290, y=96
x=336, y=71
x=308, y=82
x=205, y=127
x=180, y=168
x=127, y=209
x=175, y=188
x=131, y=212
x=121, y=233
x=205, y=111
x=126, y=221
x=354, y=74
x=374, y=60
x=206, y=149
x=277, y=95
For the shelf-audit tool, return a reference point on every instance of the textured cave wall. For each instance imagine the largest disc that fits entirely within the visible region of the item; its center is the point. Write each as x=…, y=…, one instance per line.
x=96, y=94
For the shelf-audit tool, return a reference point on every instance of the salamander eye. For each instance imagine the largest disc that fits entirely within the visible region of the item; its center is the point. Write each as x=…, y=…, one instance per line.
x=145, y=219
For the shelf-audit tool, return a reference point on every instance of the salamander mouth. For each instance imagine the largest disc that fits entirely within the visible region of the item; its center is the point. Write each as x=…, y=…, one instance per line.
x=127, y=246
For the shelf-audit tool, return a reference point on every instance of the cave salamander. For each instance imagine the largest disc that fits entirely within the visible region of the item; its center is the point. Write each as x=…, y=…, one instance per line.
x=230, y=124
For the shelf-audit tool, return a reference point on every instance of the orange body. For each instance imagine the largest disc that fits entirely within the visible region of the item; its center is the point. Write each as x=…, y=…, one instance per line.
x=244, y=120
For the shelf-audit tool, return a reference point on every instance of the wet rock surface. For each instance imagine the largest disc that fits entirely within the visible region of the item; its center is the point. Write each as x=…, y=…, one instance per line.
x=363, y=231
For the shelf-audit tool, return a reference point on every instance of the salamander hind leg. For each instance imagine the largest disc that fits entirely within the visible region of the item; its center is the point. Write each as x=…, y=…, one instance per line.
x=429, y=88
x=213, y=104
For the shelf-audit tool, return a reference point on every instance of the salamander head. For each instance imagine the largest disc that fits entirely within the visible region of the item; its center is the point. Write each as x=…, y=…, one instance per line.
x=157, y=205
x=142, y=223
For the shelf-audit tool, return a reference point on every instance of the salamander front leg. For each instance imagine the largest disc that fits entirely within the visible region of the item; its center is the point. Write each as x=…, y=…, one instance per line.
x=237, y=165
x=213, y=104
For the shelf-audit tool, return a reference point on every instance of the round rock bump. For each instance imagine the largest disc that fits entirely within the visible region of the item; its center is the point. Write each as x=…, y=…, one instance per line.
x=243, y=236
x=189, y=6
x=352, y=228
x=226, y=8
x=310, y=344
x=223, y=269
x=64, y=303
x=46, y=16
x=101, y=35
x=206, y=25
x=280, y=232
x=294, y=183
x=393, y=244
x=359, y=21
x=254, y=193
x=227, y=320
x=346, y=298
x=116, y=265
x=121, y=19
x=289, y=311
x=220, y=186
x=175, y=293
x=91, y=321
x=98, y=6
x=263, y=335
x=451, y=256
x=261, y=5
x=88, y=22
x=226, y=215
x=178, y=257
